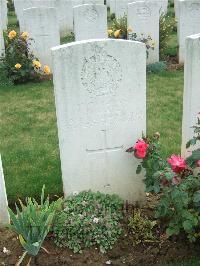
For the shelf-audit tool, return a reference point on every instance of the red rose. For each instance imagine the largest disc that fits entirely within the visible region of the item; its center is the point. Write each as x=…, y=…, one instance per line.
x=165, y=183
x=177, y=163
x=140, y=149
x=176, y=180
x=198, y=163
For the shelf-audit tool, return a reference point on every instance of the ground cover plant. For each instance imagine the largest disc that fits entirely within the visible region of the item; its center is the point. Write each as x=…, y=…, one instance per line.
x=89, y=219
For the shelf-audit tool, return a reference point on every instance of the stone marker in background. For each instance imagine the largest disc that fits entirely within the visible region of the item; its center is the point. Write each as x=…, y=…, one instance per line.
x=191, y=98
x=20, y=5
x=3, y=14
x=42, y=25
x=90, y=22
x=64, y=11
x=121, y=7
x=188, y=23
x=112, y=6
x=65, y=16
x=143, y=18
x=2, y=47
x=4, y=216
x=101, y=111
x=87, y=2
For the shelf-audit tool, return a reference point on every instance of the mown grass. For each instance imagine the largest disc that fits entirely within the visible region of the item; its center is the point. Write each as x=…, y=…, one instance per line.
x=29, y=143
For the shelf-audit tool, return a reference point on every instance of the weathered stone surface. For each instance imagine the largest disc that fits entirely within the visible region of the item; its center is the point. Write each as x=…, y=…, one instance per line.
x=188, y=23
x=90, y=22
x=121, y=7
x=3, y=14
x=42, y=25
x=143, y=18
x=4, y=216
x=2, y=48
x=112, y=6
x=87, y=2
x=191, y=99
x=101, y=111
x=64, y=11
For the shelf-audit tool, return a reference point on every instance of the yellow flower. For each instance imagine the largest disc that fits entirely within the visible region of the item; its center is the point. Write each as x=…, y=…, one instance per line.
x=18, y=66
x=37, y=64
x=153, y=44
x=47, y=70
x=129, y=29
x=117, y=33
x=110, y=32
x=12, y=34
x=24, y=35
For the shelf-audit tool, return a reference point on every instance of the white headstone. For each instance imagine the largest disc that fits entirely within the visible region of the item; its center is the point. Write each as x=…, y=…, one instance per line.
x=64, y=11
x=143, y=18
x=20, y=5
x=188, y=23
x=4, y=216
x=90, y=22
x=2, y=47
x=3, y=14
x=112, y=6
x=191, y=99
x=121, y=7
x=42, y=25
x=101, y=111
x=65, y=16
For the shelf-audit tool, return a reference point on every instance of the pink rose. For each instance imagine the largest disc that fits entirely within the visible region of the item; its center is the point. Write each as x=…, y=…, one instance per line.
x=177, y=163
x=198, y=163
x=140, y=149
x=176, y=180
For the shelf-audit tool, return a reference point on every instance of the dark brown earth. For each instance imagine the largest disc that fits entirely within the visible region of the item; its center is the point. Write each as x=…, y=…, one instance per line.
x=124, y=253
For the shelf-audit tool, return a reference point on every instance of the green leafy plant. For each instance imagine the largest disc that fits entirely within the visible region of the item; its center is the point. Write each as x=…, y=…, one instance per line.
x=178, y=182
x=141, y=228
x=19, y=63
x=89, y=219
x=157, y=67
x=33, y=223
x=167, y=25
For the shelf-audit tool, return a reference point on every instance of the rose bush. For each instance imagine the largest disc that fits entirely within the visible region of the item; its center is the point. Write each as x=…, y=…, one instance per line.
x=19, y=64
x=176, y=181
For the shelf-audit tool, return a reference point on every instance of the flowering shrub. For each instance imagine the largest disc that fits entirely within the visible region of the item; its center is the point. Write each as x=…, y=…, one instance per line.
x=89, y=219
x=19, y=64
x=167, y=25
x=120, y=30
x=177, y=181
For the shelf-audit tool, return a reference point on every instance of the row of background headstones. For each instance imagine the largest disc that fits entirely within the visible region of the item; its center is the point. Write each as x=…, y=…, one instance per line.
x=89, y=22
x=187, y=12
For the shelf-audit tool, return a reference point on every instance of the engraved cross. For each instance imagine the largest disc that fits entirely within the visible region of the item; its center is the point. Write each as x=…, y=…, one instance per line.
x=106, y=147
